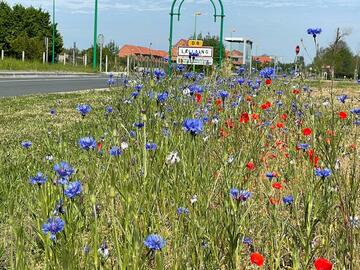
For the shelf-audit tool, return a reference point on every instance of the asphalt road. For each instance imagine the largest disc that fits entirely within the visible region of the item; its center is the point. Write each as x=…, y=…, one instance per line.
x=41, y=85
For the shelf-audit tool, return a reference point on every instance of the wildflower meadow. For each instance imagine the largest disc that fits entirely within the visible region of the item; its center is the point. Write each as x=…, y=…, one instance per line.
x=187, y=172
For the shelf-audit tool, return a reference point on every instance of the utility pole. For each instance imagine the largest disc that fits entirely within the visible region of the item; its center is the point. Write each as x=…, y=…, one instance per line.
x=95, y=34
x=46, y=50
x=74, y=49
x=53, y=35
x=100, y=41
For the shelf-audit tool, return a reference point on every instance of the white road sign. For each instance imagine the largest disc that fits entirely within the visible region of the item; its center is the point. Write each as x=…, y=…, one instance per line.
x=198, y=61
x=202, y=51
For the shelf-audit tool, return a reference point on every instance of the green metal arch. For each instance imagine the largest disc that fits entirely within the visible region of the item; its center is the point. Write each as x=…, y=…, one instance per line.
x=222, y=15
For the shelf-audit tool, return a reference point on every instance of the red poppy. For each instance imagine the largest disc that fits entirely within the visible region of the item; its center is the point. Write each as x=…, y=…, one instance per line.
x=250, y=166
x=266, y=105
x=307, y=131
x=274, y=201
x=284, y=116
x=280, y=125
x=277, y=185
x=343, y=115
x=255, y=116
x=223, y=133
x=249, y=98
x=99, y=147
x=313, y=158
x=322, y=264
x=257, y=258
x=268, y=82
x=230, y=123
x=198, y=97
x=244, y=118
x=218, y=102
x=296, y=91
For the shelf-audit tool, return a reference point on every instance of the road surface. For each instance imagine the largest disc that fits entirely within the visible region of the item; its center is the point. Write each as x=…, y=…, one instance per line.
x=41, y=85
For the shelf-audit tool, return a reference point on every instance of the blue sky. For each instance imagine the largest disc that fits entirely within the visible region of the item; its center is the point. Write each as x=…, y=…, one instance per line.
x=276, y=26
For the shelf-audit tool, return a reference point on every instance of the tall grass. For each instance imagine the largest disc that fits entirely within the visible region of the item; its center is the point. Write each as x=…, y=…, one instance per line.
x=124, y=199
x=10, y=64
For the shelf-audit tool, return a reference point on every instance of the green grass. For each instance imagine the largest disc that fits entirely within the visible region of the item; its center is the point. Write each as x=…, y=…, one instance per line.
x=9, y=64
x=124, y=199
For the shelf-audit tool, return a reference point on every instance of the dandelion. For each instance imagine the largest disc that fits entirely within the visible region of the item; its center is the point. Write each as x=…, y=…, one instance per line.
x=154, y=242
x=73, y=189
x=38, y=179
x=87, y=143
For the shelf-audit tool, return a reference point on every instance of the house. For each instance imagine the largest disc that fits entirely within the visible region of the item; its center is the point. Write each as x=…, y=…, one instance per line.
x=263, y=59
x=142, y=52
x=235, y=57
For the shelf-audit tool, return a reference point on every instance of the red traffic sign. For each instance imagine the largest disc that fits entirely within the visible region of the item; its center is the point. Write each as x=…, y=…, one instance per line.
x=297, y=50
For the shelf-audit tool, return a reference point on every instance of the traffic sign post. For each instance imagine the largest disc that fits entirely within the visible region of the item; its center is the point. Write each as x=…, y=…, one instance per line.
x=196, y=56
x=100, y=42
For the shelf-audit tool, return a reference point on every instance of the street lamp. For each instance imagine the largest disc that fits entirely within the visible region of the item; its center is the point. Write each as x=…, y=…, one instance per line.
x=196, y=14
x=53, y=35
x=95, y=34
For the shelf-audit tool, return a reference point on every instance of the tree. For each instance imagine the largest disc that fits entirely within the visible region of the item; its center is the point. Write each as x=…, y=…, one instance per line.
x=25, y=29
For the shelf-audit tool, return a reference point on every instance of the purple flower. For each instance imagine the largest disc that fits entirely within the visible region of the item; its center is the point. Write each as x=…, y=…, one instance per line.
x=194, y=126
x=53, y=226
x=108, y=109
x=115, y=151
x=26, y=144
x=83, y=109
x=151, y=146
x=323, y=173
x=303, y=146
x=355, y=111
x=314, y=31
x=38, y=179
x=154, y=242
x=182, y=210
x=162, y=97
x=240, y=195
x=288, y=200
x=342, y=98
x=63, y=169
x=73, y=189
x=87, y=143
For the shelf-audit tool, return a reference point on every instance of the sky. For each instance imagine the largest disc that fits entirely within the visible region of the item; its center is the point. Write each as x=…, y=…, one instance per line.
x=275, y=26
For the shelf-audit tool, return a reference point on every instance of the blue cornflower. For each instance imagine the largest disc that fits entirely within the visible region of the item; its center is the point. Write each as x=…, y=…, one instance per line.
x=138, y=125
x=194, y=126
x=240, y=195
x=87, y=143
x=288, y=200
x=132, y=134
x=358, y=81
x=26, y=144
x=280, y=92
x=314, y=31
x=247, y=240
x=73, y=189
x=138, y=87
x=134, y=94
x=83, y=109
x=195, y=88
x=355, y=111
x=267, y=72
x=151, y=146
x=159, y=74
x=223, y=94
x=270, y=175
x=38, y=179
x=303, y=146
x=154, y=242
x=183, y=210
x=180, y=68
x=63, y=169
x=323, y=173
x=189, y=75
x=108, y=109
x=342, y=98
x=52, y=112
x=111, y=80
x=115, y=151
x=53, y=226
x=357, y=122
x=162, y=97
x=240, y=70
x=241, y=81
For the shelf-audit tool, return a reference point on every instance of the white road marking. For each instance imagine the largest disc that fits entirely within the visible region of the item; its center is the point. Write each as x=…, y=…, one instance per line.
x=63, y=79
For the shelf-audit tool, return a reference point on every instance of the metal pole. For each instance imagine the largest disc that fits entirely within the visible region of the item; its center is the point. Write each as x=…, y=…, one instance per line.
x=2, y=54
x=44, y=56
x=46, y=49
x=106, y=63
x=170, y=42
x=85, y=58
x=244, y=53
x=53, y=35
x=23, y=56
x=74, y=53
x=195, y=37
x=95, y=34
x=221, y=38
x=101, y=49
x=64, y=59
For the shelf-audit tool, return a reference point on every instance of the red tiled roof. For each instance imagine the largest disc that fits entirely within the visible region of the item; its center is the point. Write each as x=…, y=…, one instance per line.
x=263, y=59
x=127, y=50
x=234, y=53
x=180, y=43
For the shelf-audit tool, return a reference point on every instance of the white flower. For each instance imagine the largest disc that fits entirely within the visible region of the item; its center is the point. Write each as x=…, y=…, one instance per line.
x=124, y=145
x=215, y=121
x=354, y=221
x=337, y=164
x=186, y=91
x=173, y=158
x=193, y=199
x=49, y=158
x=230, y=159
